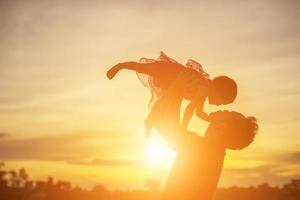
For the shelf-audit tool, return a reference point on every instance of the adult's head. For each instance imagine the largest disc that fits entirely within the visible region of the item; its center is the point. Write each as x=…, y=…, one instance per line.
x=234, y=130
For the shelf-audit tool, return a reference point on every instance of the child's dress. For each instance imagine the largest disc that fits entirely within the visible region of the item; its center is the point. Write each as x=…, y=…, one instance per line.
x=156, y=91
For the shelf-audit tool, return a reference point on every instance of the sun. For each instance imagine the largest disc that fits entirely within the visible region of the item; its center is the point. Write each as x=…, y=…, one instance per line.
x=158, y=153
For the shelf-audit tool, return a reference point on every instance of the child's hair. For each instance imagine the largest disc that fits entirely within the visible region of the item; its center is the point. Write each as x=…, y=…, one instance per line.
x=239, y=131
x=226, y=88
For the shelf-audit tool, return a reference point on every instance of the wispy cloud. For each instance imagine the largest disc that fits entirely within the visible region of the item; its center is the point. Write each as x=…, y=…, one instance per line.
x=291, y=157
x=277, y=168
x=273, y=174
x=3, y=135
x=64, y=147
x=104, y=162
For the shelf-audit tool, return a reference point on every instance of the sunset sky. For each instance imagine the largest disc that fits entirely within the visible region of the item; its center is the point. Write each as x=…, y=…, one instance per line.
x=61, y=116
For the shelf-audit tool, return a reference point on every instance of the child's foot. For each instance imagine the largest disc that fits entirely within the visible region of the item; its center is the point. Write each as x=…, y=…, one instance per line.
x=112, y=72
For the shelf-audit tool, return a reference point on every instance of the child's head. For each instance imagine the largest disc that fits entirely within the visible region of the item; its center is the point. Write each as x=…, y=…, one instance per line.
x=236, y=130
x=224, y=91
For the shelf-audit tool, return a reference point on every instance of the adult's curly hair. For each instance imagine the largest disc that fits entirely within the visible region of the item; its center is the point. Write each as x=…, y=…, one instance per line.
x=239, y=131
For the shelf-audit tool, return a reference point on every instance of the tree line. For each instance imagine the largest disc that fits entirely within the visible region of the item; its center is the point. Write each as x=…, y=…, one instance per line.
x=16, y=185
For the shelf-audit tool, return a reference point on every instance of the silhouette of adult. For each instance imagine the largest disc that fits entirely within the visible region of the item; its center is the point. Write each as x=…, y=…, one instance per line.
x=199, y=160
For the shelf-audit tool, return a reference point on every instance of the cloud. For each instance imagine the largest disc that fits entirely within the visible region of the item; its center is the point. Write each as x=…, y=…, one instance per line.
x=3, y=135
x=39, y=148
x=62, y=147
x=260, y=170
x=279, y=168
x=274, y=174
x=104, y=162
x=291, y=157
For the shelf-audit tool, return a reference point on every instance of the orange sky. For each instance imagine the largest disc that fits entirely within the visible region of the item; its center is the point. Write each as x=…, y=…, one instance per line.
x=60, y=116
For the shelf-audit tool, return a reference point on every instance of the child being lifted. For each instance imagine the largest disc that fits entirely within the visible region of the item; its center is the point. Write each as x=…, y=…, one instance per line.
x=159, y=74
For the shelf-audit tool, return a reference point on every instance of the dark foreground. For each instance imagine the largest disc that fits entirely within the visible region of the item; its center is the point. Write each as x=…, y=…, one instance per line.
x=17, y=186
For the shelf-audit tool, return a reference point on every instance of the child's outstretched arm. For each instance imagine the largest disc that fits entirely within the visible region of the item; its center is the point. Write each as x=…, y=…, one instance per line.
x=144, y=68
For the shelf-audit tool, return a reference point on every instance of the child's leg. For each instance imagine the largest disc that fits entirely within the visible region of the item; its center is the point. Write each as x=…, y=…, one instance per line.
x=151, y=117
x=143, y=68
x=149, y=122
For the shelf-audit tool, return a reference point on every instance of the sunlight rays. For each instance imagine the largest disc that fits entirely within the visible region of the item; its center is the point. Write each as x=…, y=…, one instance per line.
x=158, y=154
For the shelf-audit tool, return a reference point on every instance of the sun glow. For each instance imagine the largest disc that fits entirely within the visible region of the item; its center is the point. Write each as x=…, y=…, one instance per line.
x=158, y=153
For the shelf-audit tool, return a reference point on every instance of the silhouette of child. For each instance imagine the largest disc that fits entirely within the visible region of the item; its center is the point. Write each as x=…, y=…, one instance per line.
x=159, y=74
